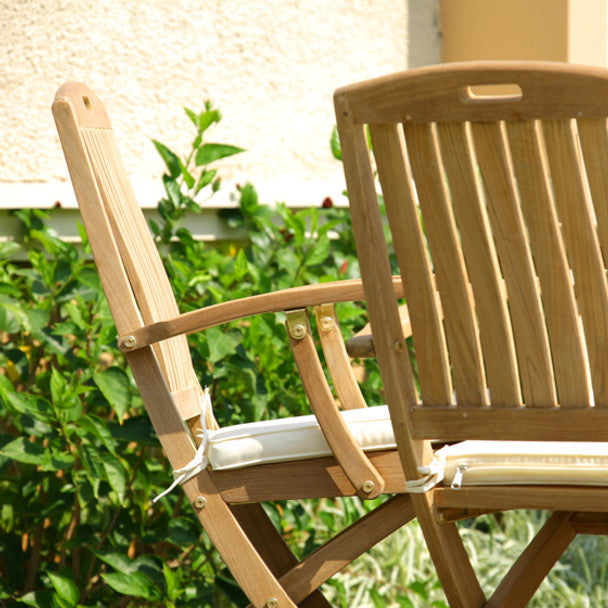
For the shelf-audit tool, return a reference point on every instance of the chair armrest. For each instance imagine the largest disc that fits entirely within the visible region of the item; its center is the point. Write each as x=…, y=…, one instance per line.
x=277, y=301
x=361, y=345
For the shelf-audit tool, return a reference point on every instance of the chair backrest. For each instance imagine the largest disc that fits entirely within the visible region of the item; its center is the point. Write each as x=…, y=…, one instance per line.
x=498, y=209
x=131, y=270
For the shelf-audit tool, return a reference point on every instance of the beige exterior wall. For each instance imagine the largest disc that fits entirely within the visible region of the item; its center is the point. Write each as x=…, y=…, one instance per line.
x=269, y=65
x=555, y=30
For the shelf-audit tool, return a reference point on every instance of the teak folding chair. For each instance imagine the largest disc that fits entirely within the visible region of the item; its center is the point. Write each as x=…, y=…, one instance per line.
x=497, y=201
x=286, y=459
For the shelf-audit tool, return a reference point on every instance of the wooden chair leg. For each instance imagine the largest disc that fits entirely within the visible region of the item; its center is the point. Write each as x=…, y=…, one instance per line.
x=451, y=561
x=308, y=575
x=272, y=547
x=533, y=565
x=343, y=548
x=238, y=553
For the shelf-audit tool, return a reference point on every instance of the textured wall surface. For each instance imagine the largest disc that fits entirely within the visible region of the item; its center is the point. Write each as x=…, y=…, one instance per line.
x=269, y=65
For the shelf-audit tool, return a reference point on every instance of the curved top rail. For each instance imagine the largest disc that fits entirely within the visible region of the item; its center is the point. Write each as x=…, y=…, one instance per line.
x=442, y=93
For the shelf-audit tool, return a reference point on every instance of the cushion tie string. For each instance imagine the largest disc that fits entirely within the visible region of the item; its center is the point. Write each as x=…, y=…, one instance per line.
x=200, y=461
x=432, y=474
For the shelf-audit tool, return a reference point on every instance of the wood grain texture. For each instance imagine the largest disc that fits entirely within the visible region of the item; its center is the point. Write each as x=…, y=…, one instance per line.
x=448, y=264
x=341, y=373
x=531, y=341
x=551, y=264
x=278, y=301
x=360, y=471
x=412, y=255
x=582, y=247
x=468, y=202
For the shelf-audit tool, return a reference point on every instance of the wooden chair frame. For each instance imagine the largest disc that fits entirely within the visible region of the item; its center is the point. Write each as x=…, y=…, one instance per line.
x=498, y=208
x=152, y=335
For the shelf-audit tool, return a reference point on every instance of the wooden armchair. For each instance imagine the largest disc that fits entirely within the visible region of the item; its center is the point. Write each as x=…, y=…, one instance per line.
x=497, y=200
x=234, y=469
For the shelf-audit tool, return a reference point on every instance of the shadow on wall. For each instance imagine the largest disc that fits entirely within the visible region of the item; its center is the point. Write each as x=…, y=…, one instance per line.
x=424, y=33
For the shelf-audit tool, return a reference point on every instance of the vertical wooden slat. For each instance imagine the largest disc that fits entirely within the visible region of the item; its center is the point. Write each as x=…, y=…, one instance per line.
x=482, y=264
x=582, y=248
x=538, y=208
x=412, y=256
x=593, y=135
x=531, y=340
x=448, y=263
x=376, y=274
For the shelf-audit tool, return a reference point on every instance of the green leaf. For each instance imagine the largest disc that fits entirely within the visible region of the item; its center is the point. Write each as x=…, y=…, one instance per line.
x=172, y=580
x=24, y=451
x=205, y=179
x=222, y=343
x=95, y=426
x=170, y=158
x=136, y=584
x=115, y=473
x=319, y=252
x=118, y=561
x=188, y=177
x=249, y=199
x=208, y=153
x=38, y=599
x=29, y=404
x=65, y=588
x=191, y=115
x=53, y=460
x=207, y=118
x=336, y=149
x=115, y=386
x=58, y=387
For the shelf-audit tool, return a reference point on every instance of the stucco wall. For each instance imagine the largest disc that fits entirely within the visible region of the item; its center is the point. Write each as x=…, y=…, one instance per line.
x=269, y=65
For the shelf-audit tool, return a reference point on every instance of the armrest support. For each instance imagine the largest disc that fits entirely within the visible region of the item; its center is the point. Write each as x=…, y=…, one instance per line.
x=286, y=299
x=360, y=471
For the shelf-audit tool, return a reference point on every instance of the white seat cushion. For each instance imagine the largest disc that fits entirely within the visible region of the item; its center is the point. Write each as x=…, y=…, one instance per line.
x=526, y=463
x=471, y=462
x=297, y=438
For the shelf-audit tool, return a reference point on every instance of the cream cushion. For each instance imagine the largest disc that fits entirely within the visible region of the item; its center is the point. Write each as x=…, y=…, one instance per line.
x=527, y=462
x=297, y=438
x=471, y=462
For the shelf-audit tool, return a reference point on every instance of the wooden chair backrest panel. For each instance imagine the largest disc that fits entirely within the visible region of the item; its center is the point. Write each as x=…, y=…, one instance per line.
x=482, y=262
x=134, y=266
x=493, y=202
x=413, y=259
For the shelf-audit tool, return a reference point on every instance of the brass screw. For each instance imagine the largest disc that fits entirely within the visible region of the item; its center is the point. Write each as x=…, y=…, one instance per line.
x=273, y=602
x=298, y=331
x=399, y=346
x=327, y=323
x=200, y=502
x=368, y=486
x=129, y=341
